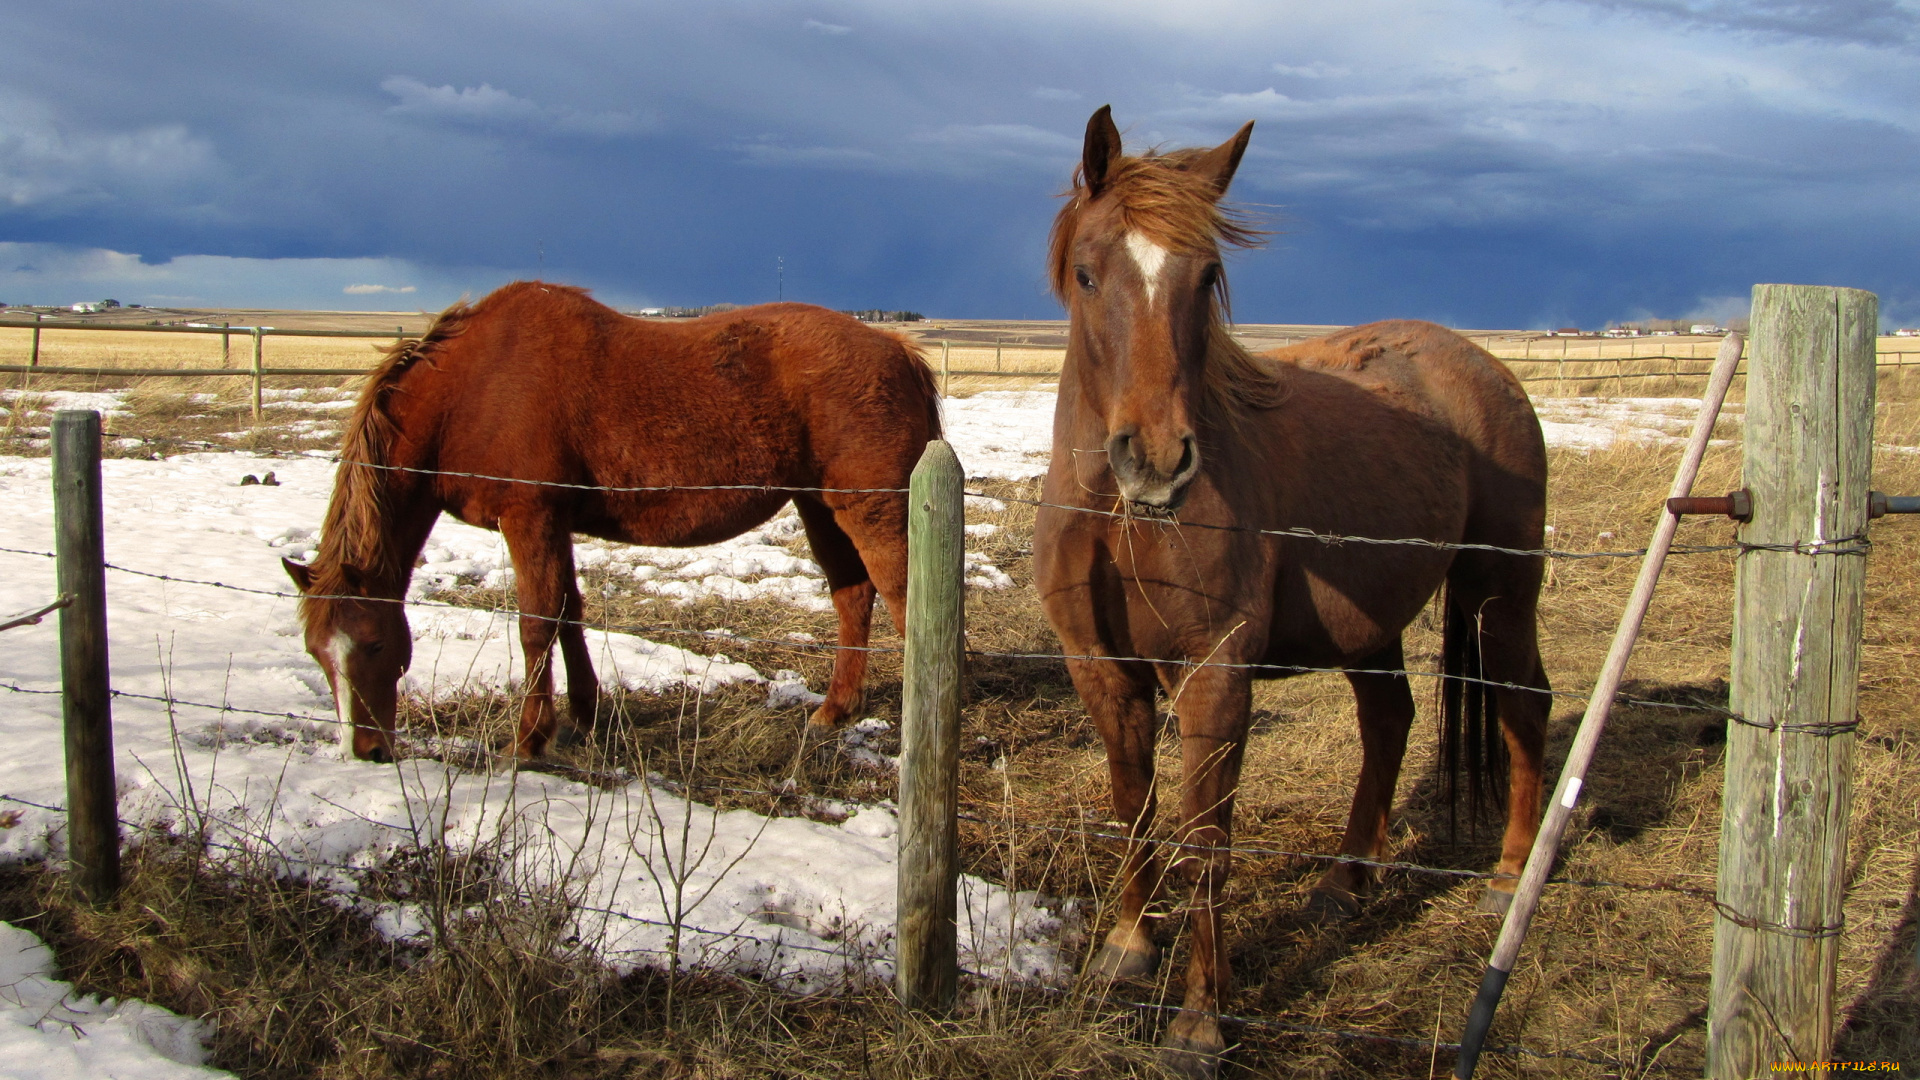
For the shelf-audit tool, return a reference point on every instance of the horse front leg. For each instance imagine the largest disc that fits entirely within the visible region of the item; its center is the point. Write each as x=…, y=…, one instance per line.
x=542, y=554
x=1119, y=698
x=583, y=687
x=1385, y=707
x=1212, y=705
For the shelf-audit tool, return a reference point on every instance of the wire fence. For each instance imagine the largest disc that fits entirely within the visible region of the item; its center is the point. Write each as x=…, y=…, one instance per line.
x=984, y=815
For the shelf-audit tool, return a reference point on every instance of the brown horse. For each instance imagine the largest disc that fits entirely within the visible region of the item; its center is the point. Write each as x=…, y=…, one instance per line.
x=539, y=385
x=1166, y=426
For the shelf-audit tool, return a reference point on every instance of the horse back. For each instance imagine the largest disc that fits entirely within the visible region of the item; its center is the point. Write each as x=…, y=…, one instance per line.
x=543, y=383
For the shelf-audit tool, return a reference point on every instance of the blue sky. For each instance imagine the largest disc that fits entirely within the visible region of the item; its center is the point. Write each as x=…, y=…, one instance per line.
x=1483, y=163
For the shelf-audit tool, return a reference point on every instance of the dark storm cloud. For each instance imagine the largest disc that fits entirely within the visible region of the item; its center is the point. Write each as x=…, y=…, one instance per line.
x=1867, y=22
x=1483, y=164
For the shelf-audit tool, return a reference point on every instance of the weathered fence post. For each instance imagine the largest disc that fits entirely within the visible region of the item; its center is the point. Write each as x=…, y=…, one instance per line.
x=226, y=344
x=34, y=359
x=93, y=823
x=1796, y=662
x=945, y=371
x=256, y=375
x=927, y=962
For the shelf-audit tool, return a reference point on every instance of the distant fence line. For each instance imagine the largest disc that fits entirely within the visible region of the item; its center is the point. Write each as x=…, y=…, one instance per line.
x=257, y=371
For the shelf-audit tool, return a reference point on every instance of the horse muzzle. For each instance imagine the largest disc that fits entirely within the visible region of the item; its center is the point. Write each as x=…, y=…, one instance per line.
x=1153, y=478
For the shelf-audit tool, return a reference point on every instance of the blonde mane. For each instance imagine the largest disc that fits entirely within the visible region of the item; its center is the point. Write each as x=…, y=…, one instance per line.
x=351, y=533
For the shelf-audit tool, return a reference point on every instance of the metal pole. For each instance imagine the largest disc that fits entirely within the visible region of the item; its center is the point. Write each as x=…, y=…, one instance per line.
x=1796, y=671
x=927, y=959
x=93, y=824
x=1586, y=739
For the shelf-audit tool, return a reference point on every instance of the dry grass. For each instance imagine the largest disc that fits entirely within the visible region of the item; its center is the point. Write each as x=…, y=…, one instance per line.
x=301, y=989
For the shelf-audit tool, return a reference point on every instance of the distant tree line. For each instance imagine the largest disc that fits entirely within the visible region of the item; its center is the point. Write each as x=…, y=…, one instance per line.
x=877, y=315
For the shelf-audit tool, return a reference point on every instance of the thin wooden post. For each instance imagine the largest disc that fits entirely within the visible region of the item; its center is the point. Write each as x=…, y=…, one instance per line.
x=1586, y=739
x=256, y=376
x=93, y=824
x=1796, y=665
x=927, y=960
x=945, y=371
x=996, y=353
x=34, y=359
x=226, y=344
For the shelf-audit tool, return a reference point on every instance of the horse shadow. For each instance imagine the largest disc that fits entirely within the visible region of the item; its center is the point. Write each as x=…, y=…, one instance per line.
x=1669, y=733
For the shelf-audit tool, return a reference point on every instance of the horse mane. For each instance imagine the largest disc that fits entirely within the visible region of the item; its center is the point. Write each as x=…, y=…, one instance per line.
x=351, y=533
x=1161, y=199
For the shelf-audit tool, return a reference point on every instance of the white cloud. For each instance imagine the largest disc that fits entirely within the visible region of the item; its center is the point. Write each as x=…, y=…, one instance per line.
x=60, y=274
x=44, y=159
x=1319, y=69
x=830, y=29
x=486, y=106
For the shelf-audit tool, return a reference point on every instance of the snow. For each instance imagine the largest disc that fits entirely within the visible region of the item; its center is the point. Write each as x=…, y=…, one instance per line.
x=47, y=1032
x=799, y=901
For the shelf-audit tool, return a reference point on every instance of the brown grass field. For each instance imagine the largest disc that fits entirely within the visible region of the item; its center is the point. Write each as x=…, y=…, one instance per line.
x=299, y=989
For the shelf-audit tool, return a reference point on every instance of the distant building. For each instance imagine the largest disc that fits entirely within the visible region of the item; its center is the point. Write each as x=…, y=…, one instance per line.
x=1707, y=328
x=86, y=309
x=652, y=312
x=1906, y=331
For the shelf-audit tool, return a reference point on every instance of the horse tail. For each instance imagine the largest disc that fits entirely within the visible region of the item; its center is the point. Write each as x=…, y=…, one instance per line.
x=351, y=532
x=1470, y=739
x=924, y=383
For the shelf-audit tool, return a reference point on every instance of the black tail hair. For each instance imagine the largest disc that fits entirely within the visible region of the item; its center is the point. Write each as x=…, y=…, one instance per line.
x=1469, y=721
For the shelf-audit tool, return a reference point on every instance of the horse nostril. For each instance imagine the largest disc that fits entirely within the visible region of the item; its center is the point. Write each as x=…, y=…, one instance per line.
x=1189, y=459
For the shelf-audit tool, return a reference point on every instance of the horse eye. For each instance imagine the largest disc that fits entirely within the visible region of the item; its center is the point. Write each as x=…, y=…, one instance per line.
x=372, y=648
x=1085, y=279
x=1210, y=276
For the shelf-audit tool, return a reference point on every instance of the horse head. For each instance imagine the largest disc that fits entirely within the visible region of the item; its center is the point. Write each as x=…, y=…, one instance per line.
x=1135, y=258
x=363, y=643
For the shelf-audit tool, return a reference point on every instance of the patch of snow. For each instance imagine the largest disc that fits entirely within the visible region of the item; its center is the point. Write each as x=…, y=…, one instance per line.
x=48, y=1032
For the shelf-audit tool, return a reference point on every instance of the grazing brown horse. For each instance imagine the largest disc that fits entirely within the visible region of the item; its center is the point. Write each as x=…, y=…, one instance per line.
x=1165, y=426
x=542, y=385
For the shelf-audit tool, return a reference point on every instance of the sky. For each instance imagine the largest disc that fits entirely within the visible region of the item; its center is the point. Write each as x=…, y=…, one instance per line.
x=1481, y=163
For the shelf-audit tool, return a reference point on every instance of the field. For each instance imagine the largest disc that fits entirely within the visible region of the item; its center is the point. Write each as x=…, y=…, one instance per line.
x=299, y=986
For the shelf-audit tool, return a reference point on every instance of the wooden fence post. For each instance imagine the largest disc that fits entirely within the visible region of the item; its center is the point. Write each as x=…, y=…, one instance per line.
x=1796, y=663
x=34, y=359
x=226, y=344
x=256, y=376
x=926, y=937
x=93, y=823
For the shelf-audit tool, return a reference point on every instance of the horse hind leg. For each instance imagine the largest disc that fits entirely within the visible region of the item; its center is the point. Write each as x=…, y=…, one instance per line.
x=853, y=592
x=1495, y=598
x=1385, y=707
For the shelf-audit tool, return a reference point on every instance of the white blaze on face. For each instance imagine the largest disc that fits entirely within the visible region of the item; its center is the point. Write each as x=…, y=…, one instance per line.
x=338, y=650
x=1150, y=257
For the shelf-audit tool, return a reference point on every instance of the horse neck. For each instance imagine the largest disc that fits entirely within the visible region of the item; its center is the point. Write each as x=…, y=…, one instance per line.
x=381, y=536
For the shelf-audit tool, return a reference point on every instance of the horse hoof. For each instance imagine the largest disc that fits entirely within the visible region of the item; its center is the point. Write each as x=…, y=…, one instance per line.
x=826, y=720
x=1495, y=901
x=1193, y=1050
x=1328, y=905
x=380, y=755
x=1116, y=962
x=569, y=736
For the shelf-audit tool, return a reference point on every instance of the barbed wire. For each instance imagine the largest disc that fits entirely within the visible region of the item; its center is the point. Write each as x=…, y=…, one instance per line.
x=819, y=646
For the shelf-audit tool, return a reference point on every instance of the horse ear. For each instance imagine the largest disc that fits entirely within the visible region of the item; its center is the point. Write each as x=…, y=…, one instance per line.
x=1220, y=162
x=300, y=572
x=1103, y=146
